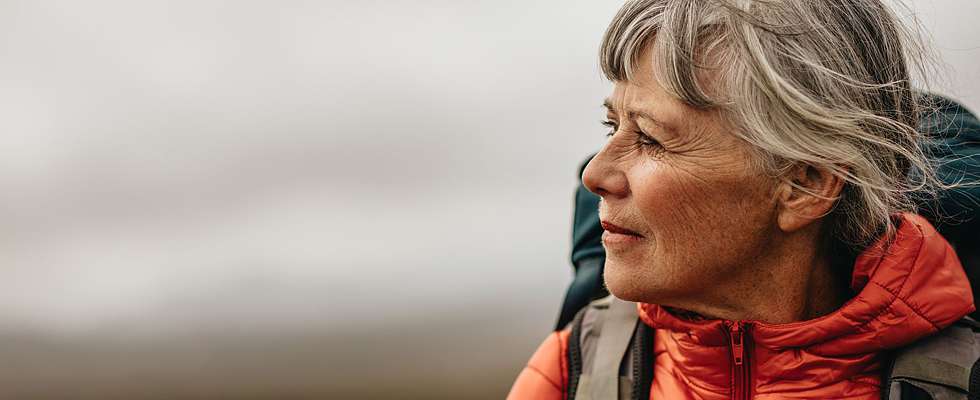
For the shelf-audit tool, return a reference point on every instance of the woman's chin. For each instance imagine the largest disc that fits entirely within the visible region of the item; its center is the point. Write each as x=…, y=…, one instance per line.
x=639, y=282
x=623, y=281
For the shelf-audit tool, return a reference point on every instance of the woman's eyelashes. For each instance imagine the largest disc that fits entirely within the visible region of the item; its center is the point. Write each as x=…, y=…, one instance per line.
x=642, y=139
x=611, y=125
x=646, y=140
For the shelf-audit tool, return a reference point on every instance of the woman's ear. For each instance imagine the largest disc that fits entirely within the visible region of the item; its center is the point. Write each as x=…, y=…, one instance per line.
x=807, y=194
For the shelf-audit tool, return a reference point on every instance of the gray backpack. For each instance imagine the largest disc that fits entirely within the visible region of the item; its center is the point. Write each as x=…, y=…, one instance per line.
x=610, y=355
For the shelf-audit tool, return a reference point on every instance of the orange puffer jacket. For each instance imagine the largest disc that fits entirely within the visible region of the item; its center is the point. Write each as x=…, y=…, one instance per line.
x=911, y=290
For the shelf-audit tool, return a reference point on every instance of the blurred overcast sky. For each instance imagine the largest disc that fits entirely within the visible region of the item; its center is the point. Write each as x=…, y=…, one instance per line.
x=191, y=168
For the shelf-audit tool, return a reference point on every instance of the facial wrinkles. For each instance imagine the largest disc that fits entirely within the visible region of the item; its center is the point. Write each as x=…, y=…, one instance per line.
x=624, y=149
x=674, y=189
x=694, y=150
x=699, y=181
x=623, y=145
x=631, y=160
x=683, y=133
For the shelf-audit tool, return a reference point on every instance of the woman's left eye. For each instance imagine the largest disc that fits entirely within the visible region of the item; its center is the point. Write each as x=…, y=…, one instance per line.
x=642, y=139
x=646, y=140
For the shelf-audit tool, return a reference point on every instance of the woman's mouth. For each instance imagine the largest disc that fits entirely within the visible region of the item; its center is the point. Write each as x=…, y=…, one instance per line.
x=613, y=228
x=616, y=235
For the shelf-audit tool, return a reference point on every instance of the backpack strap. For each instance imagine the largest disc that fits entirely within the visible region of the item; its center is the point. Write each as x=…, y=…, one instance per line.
x=610, y=353
x=618, y=327
x=975, y=381
x=943, y=366
x=574, y=354
x=641, y=361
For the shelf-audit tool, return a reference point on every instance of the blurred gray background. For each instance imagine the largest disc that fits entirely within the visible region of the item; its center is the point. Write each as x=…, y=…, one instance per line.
x=301, y=199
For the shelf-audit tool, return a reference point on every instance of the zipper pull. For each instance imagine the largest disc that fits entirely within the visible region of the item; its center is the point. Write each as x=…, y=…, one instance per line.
x=738, y=349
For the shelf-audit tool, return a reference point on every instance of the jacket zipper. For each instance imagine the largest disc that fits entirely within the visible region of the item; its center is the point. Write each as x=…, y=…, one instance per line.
x=741, y=373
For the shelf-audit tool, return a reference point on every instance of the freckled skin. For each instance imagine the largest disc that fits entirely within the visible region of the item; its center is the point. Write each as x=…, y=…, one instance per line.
x=713, y=242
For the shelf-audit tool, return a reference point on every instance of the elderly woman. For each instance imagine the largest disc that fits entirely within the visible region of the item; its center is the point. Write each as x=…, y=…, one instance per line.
x=757, y=205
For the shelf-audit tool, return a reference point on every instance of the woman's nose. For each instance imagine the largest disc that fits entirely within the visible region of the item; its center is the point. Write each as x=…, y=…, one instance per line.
x=604, y=177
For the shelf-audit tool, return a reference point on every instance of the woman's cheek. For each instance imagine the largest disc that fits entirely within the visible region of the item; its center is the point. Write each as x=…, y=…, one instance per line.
x=668, y=198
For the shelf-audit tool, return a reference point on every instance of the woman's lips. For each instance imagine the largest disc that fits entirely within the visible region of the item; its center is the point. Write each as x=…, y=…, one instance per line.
x=616, y=235
x=613, y=228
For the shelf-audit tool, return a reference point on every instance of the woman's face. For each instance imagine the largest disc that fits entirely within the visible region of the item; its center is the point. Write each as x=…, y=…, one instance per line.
x=694, y=209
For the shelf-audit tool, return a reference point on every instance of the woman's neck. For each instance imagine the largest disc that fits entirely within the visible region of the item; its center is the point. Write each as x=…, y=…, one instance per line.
x=797, y=280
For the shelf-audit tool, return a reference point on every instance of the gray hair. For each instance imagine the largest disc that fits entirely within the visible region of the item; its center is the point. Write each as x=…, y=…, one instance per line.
x=824, y=83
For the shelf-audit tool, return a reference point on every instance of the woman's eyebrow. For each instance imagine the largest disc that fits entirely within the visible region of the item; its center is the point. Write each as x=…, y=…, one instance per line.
x=645, y=115
x=634, y=113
